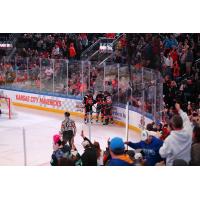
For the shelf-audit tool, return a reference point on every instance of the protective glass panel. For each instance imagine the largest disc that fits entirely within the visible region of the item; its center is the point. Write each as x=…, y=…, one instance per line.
x=47, y=75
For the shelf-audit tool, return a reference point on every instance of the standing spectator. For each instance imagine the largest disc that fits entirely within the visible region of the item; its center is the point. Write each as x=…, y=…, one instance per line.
x=117, y=152
x=182, y=61
x=166, y=42
x=173, y=41
x=150, y=146
x=195, y=151
x=174, y=55
x=178, y=144
x=169, y=65
x=72, y=51
x=189, y=59
x=84, y=41
x=176, y=70
x=180, y=48
x=89, y=157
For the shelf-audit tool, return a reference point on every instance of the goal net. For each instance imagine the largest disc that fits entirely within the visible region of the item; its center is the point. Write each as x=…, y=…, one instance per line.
x=6, y=106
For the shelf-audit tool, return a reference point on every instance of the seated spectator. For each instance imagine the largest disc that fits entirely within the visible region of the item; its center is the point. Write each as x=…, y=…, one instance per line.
x=178, y=144
x=89, y=157
x=195, y=151
x=118, y=155
x=150, y=146
x=169, y=65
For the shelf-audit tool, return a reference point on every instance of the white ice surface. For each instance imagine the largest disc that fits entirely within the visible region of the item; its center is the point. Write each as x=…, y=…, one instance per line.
x=40, y=126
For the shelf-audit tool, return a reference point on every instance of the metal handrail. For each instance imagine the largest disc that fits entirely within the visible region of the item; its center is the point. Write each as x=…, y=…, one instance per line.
x=106, y=59
x=89, y=48
x=98, y=41
x=92, y=55
x=112, y=53
x=118, y=38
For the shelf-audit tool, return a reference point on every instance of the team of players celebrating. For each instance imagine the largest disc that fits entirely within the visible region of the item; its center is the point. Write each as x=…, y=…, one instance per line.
x=103, y=104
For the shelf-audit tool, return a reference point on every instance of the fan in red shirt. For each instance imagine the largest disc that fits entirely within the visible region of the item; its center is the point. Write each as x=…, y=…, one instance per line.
x=176, y=72
x=123, y=41
x=110, y=35
x=174, y=55
x=72, y=51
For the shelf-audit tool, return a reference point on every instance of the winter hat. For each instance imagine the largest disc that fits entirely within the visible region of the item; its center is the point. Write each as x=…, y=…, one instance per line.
x=117, y=145
x=56, y=138
x=144, y=135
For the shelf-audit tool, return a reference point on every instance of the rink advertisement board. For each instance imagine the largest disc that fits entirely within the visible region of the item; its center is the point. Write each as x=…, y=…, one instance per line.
x=61, y=104
x=119, y=114
x=44, y=101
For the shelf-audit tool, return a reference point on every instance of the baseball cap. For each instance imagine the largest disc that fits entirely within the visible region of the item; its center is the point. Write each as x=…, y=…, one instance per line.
x=117, y=145
x=56, y=138
x=144, y=135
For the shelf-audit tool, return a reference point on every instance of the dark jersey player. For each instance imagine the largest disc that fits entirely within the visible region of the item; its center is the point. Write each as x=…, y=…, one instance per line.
x=88, y=102
x=107, y=108
x=99, y=106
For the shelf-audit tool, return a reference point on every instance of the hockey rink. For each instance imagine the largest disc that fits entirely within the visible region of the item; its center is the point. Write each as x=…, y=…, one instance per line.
x=40, y=126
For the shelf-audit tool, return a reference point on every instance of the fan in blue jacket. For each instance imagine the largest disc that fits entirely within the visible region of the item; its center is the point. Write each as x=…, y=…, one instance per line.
x=150, y=146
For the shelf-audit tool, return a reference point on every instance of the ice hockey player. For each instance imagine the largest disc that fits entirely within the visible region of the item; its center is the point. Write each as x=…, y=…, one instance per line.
x=99, y=106
x=88, y=102
x=68, y=129
x=107, y=108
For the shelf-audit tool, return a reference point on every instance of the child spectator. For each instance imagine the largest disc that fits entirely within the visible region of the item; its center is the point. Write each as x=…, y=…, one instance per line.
x=57, y=152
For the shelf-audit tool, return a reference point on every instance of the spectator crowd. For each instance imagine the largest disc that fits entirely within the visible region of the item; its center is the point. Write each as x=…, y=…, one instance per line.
x=174, y=143
x=175, y=56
